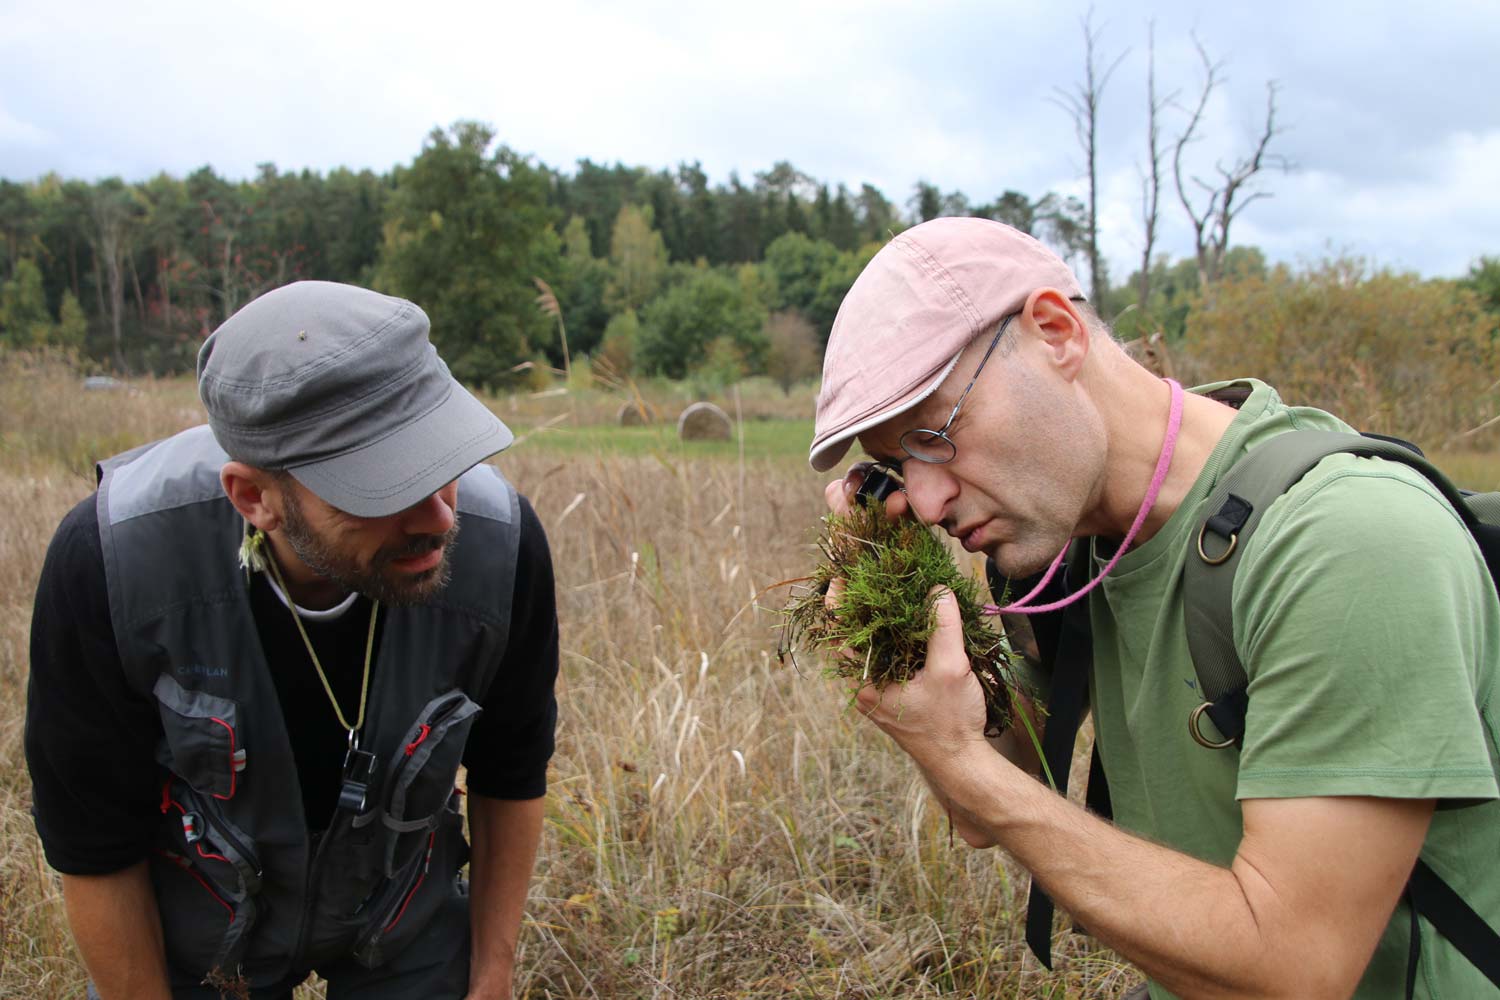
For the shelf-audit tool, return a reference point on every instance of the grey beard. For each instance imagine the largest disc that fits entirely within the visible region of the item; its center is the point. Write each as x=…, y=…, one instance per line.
x=376, y=582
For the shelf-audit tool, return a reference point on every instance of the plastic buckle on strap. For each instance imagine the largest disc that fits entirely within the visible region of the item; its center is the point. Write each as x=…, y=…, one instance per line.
x=359, y=773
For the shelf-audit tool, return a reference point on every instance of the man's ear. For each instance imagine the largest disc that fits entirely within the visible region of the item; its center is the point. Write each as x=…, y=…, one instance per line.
x=254, y=493
x=1062, y=329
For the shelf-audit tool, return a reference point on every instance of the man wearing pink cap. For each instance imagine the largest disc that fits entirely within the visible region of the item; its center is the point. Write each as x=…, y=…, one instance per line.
x=964, y=360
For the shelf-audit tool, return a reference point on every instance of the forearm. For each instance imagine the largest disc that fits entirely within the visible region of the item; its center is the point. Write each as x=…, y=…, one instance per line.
x=117, y=928
x=505, y=835
x=1021, y=743
x=1298, y=913
x=1185, y=922
x=1198, y=929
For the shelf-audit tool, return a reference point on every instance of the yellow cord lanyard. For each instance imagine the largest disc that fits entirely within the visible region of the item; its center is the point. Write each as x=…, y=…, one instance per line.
x=359, y=765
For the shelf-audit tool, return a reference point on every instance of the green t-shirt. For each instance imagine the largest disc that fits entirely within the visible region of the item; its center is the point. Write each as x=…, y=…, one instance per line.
x=1370, y=632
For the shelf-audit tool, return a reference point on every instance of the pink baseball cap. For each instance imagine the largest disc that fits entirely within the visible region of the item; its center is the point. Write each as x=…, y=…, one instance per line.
x=910, y=314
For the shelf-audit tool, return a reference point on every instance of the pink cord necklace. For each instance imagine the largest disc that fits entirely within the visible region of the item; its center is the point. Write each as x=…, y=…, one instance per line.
x=1163, y=463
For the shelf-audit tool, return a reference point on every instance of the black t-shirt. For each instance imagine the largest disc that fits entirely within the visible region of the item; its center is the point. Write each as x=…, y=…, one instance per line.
x=91, y=739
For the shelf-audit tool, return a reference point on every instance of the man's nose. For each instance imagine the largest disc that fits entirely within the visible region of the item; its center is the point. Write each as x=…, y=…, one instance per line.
x=434, y=515
x=929, y=488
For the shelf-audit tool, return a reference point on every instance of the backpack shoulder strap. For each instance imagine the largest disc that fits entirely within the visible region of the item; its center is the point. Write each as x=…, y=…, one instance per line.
x=1473, y=938
x=1237, y=504
x=1065, y=644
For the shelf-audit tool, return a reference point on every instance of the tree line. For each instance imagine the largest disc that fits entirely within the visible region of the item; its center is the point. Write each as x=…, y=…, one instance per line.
x=662, y=270
x=520, y=265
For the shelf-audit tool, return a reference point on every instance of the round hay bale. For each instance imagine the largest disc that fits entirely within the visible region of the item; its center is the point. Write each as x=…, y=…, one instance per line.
x=634, y=413
x=704, y=422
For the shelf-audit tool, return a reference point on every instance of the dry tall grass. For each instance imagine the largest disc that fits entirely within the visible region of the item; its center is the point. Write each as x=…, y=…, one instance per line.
x=718, y=826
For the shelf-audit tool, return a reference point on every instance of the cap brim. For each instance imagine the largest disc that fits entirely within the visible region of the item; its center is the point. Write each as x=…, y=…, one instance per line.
x=406, y=467
x=827, y=450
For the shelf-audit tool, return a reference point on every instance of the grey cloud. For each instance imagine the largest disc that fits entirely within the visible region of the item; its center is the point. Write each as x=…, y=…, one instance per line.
x=885, y=92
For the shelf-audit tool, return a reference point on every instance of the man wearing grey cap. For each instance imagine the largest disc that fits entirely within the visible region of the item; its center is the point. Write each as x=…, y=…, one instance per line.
x=964, y=361
x=261, y=652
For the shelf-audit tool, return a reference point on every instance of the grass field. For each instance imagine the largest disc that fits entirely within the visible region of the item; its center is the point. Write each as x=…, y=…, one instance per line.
x=779, y=439
x=718, y=825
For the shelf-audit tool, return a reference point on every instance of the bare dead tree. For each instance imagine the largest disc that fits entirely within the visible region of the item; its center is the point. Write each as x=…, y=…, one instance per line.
x=1231, y=193
x=135, y=282
x=1082, y=105
x=113, y=209
x=223, y=232
x=1151, y=178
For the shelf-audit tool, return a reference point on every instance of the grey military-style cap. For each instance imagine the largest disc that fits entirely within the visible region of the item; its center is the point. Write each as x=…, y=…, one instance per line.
x=340, y=387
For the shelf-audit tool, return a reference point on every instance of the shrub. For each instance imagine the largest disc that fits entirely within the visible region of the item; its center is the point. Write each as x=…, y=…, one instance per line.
x=1387, y=351
x=793, y=351
x=617, y=348
x=679, y=324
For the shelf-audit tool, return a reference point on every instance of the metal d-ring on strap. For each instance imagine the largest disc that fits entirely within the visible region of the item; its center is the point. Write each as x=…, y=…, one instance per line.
x=1234, y=540
x=1197, y=734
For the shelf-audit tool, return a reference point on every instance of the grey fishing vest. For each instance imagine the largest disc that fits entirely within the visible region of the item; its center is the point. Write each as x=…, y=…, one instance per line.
x=241, y=886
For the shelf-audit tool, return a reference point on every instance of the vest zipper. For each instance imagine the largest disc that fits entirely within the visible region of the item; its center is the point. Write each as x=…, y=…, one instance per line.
x=250, y=859
x=307, y=893
x=186, y=866
x=239, y=847
x=407, y=897
x=367, y=945
x=424, y=732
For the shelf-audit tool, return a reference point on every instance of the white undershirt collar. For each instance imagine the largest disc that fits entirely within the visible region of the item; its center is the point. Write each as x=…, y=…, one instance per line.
x=326, y=615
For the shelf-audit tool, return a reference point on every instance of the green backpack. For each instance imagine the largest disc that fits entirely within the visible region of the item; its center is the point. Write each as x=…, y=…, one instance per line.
x=1238, y=502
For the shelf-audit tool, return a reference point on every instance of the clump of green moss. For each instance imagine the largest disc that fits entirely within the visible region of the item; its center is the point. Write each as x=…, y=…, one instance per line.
x=884, y=608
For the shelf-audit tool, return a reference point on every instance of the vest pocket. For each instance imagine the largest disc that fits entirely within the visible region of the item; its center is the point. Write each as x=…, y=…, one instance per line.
x=206, y=877
x=401, y=911
x=379, y=875
x=202, y=737
x=419, y=782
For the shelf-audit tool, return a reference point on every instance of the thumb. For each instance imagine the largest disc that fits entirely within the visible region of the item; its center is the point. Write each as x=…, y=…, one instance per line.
x=945, y=649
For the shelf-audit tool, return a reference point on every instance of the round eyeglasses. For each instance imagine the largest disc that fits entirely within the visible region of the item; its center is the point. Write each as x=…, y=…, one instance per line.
x=936, y=447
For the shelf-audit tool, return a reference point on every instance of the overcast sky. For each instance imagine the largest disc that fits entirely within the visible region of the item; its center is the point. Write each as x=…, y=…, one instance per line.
x=1390, y=112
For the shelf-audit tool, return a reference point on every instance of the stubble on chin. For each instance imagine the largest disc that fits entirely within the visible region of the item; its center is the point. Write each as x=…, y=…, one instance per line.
x=380, y=580
x=1019, y=563
x=384, y=583
x=406, y=589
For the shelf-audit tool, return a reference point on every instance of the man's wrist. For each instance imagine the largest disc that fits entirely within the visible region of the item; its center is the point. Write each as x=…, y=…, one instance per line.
x=975, y=779
x=495, y=985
